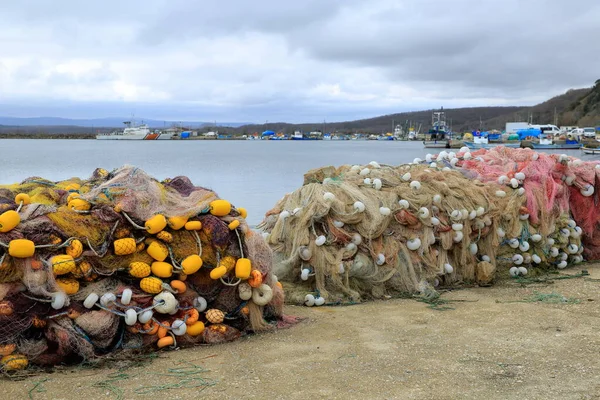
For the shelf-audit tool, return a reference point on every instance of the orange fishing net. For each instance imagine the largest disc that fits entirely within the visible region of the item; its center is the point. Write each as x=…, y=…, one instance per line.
x=122, y=261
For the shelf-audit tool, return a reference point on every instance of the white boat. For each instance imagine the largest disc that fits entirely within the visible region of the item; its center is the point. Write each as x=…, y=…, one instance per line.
x=481, y=142
x=546, y=142
x=399, y=133
x=413, y=134
x=590, y=150
x=131, y=132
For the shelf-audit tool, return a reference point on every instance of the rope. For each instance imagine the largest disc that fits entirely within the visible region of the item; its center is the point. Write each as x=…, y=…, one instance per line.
x=189, y=379
x=133, y=223
x=240, y=243
x=282, y=235
x=66, y=243
x=37, y=388
x=111, y=310
x=36, y=299
x=58, y=315
x=174, y=345
x=92, y=248
x=173, y=260
x=524, y=280
x=81, y=211
x=46, y=183
x=229, y=283
x=108, y=384
x=552, y=298
x=199, y=243
x=138, y=309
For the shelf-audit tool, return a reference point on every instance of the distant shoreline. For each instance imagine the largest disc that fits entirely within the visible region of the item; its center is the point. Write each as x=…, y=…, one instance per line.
x=80, y=136
x=47, y=136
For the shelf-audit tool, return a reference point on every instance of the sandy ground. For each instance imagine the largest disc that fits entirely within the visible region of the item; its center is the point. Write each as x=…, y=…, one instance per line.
x=492, y=345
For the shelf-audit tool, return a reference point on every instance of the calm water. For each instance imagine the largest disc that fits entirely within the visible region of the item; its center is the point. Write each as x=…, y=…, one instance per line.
x=251, y=174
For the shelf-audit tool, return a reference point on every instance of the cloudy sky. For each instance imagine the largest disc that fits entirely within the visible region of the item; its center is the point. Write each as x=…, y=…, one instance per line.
x=277, y=60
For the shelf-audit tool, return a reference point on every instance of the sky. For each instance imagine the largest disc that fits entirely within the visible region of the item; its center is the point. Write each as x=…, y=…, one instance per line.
x=301, y=61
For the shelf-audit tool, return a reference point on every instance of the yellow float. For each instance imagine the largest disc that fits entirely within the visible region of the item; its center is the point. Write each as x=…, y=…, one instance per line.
x=63, y=264
x=9, y=220
x=23, y=198
x=21, y=248
x=139, y=269
x=156, y=224
x=176, y=223
x=124, y=247
x=75, y=248
x=191, y=264
x=14, y=362
x=243, y=267
x=193, y=226
x=158, y=251
x=220, y=208
x=162, y=269
x=151, y=285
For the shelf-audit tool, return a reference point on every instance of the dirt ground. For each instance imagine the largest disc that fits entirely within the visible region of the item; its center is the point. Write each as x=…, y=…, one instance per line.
x=503, y=342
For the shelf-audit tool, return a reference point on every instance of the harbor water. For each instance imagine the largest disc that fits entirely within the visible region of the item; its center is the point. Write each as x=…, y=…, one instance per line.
x=251, y=174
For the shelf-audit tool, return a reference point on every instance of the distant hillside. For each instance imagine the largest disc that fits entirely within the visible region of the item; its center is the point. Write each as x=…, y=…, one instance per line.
x=585, y=111
x=460, y=119
x=579, y=107
x=583, y=103
x=54, y=131
x=548, y=112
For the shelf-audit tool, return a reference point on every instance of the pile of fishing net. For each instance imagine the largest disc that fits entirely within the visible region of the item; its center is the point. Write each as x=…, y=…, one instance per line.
x=123, y=261
x=370, y=231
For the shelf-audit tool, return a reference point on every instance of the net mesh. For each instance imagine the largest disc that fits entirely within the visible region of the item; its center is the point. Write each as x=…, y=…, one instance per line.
x=74, y=311
x=368, y=231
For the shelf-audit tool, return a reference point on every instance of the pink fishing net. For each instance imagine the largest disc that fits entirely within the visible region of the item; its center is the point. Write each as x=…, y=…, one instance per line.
x=368, y=231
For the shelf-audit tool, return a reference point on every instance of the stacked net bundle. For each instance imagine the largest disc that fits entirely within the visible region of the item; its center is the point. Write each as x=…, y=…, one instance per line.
x=123, y=261
x=369, y=231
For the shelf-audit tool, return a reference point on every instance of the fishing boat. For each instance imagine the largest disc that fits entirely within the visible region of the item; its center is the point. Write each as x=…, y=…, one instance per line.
x=298, y=135
x=436, y=144
x=133, y=132
x=385, y=137
x=399, y=133
x=556, y=146
x=482, y=142
x=439, y=135
x=591, y=150
x=546, y=142
x=412, y=134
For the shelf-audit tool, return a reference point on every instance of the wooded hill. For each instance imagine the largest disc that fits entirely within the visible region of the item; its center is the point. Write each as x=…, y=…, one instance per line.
x=579, y=107
x=576, y=107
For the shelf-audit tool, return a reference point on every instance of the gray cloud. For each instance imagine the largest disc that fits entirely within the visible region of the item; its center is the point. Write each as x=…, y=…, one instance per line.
x=212, y=18
x=273, y=60
x=490, y=45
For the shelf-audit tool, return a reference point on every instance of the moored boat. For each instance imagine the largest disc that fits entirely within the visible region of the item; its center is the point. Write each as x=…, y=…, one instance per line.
x=480, y=142
x=298, y=135
x=556, y=146
x=547, y=143
x=591, y=150
x=477, y=146
x=436, y=144
x=131, y=132
x=439, y=136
